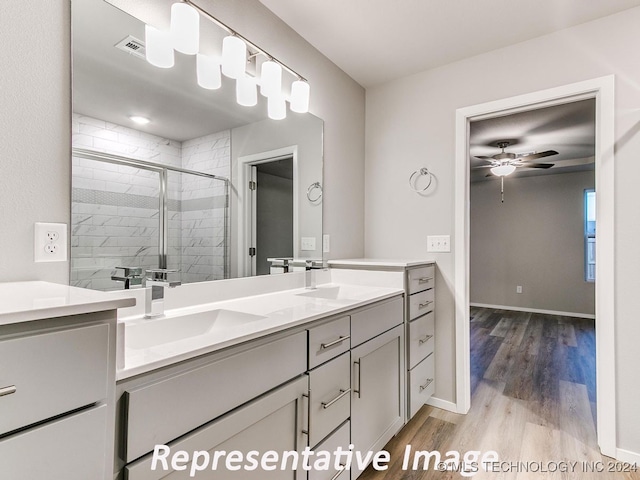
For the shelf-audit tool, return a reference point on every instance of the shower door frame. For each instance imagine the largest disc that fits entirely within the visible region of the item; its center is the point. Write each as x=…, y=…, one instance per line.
x=162, y=171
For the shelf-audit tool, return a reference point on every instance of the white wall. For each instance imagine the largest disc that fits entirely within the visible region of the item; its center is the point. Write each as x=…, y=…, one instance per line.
x=410, y=122
x=534, y=239
x=36, y=104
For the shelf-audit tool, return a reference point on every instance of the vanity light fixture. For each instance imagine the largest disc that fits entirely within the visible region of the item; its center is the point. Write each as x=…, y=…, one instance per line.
x=503, y=170
x=270, y=78
x=184, y=37
x=139, y=119
x=246, y=91
x=185, y=28
x=208, y=72
x=158, y=47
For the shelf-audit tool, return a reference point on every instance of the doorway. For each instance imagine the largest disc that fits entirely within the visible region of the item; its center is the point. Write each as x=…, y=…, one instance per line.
x=271, y=212
x=601, y=90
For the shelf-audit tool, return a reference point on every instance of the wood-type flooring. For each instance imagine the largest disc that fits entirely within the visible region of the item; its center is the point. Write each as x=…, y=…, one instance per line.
x=533, y=402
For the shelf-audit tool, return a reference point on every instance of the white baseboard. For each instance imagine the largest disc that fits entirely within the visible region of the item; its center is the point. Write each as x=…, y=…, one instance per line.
x=534, y=310
x=627, y=456
x=443, y=404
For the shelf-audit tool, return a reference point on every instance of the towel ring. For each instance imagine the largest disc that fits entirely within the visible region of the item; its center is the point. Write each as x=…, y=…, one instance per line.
x=424, y=171
x=318, y=195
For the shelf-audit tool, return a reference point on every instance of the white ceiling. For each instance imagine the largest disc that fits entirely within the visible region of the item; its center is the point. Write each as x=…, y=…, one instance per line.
x=375, y=41
x=569, y=129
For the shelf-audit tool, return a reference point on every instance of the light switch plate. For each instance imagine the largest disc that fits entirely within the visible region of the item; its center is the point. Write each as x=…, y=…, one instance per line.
x=326, y=244
x=308, y=244
x=50, y=242
x=438, y=243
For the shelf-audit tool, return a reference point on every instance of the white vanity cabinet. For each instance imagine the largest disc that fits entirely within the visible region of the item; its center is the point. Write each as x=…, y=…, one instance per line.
x=57, y=379
x=377, y=386
x=417, y=277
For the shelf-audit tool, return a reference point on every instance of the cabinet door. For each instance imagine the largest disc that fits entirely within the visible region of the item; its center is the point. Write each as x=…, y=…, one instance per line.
x=273, y=422
x=377, y=399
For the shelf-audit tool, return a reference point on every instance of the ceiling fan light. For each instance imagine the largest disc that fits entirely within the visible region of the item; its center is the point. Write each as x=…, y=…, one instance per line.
x=158, y=47
x=503, y=170
x=246, y=91
x=208, y=72
x=299, y=97
x=270, y=78
x=234, y=57
x=185, y=28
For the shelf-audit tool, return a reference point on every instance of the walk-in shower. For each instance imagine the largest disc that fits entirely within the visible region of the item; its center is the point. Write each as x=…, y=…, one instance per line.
x=140, y=214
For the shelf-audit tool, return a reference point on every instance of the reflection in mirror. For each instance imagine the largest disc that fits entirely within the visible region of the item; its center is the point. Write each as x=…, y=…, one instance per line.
x=205, y=187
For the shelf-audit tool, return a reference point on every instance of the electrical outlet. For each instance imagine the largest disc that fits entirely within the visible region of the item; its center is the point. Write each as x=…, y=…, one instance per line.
x=438, y=243
x=50, y=242
x=519, y=289
x=326, y=244
x=308, y=244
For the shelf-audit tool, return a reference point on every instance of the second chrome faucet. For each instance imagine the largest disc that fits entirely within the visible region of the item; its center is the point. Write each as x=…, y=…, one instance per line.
x=158, y=280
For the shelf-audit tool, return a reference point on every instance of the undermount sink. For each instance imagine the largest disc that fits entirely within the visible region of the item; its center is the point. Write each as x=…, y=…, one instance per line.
x=336, y=292
x=153, y=332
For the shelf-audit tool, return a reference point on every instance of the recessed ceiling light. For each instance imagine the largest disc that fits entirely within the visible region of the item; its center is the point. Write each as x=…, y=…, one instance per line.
x=139, y=120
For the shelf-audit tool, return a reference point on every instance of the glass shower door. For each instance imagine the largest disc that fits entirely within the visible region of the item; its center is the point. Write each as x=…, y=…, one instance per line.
x=116, y=221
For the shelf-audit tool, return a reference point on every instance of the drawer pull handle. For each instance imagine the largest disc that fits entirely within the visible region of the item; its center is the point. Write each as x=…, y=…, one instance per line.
x=357, y=362
x=424, y=387
x=424, y=280
x=425, y=304
x=342, y=393
x=339, y=472
x=7, y=390
x=324, y=346
x=425, y=339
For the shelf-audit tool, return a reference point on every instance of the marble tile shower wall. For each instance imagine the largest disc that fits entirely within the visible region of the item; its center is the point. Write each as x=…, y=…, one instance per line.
x=115, y=207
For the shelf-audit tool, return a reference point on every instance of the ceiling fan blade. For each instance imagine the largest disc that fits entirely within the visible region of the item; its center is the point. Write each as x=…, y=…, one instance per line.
x=482, y=157
x=536, y=165
x=481, y=166
x=534, y=156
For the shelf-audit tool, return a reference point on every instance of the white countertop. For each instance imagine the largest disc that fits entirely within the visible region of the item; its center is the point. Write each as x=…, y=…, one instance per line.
x=281, y=310
x=379, y=262
x=28, y=301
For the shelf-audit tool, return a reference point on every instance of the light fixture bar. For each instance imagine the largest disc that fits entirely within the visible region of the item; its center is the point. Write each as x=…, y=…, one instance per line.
x=244, y=39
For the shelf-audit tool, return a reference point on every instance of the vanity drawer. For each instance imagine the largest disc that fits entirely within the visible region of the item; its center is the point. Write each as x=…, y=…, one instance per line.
x=329, y=340
x=373, y=321
x=52, y=373
x=421, y=384
x=162, y=411
x=330, y=386
x=420, y=279
x=421, y=338
x=339, y=438
x=421, y=303
x=71, y=448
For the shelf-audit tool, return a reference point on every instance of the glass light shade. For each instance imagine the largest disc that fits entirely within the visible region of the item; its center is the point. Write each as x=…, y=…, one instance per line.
x=276, y=107
x=208, y=72
x=185, y=28
x=503, y=170
x=246, y=91
x=234, y=57
x=299, y=97
x=158, y=47
x=270, y=78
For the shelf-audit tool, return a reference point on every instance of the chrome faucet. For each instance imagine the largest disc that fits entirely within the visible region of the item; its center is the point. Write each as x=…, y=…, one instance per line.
x=158, y=280
x=132, y=276
x=310, y=275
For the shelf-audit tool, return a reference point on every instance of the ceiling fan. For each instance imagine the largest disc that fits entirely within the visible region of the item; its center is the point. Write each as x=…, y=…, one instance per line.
x=505, y=163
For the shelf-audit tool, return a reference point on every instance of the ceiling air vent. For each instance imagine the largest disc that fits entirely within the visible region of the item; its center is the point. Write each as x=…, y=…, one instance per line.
x=132, y=46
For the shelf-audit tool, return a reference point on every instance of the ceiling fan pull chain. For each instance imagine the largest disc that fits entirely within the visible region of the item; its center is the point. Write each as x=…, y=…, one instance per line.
x=502, y=189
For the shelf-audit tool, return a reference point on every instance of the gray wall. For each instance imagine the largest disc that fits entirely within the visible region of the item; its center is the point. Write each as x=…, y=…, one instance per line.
x=411, y=123
x=534, y=239
x=35, y=175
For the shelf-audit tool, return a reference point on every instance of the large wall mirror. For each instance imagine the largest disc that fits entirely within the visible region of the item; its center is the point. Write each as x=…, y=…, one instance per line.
x=207, y=187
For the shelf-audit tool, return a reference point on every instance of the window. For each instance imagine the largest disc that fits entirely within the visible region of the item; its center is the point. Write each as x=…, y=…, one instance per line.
x=590, y=235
